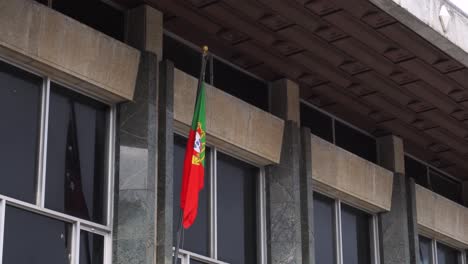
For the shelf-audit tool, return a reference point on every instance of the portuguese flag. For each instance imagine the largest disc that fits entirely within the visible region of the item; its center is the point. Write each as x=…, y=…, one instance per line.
x=194, y=163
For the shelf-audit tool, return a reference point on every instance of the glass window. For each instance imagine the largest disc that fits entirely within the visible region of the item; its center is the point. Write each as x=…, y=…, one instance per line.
x=355, y=235
x=35, y=239
x=196, y=238
x=20, y=98
x=416, y=170
x=355, y=142
x=445, y=186
x=446, y=255
x=76, y=157
x=236, y=199
x=91, y=248
x=324, y=229
x=425, y=250
x=226, y=77
x=319, y=123
x=96, y=14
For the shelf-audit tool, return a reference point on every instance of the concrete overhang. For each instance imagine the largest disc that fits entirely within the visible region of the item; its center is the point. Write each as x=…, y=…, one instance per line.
x=360, y=60
x=440, y=22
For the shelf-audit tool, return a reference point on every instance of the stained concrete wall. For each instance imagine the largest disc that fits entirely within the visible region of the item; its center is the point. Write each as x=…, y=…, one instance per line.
x=38, y=37
x=423, y=17
x=344, y=175
x=440, y=218
x=233, y=125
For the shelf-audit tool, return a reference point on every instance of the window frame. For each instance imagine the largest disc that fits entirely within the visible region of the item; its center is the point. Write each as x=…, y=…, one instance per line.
x=337, y=222
x=462, y=254
x=184, y=255
x=38, y=207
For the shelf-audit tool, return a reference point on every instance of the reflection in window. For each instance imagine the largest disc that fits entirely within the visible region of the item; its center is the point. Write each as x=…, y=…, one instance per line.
x=76, y=157
x=356, y=236
x=35, y=239
x=425, y=250
x=324, y=229
x=236, y=196
x=20, y=96
x=91, y=248
x=196, y=237
x=446, y=255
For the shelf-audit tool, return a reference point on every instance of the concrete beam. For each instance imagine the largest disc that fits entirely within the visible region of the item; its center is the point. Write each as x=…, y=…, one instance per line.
x=47, y=41
x=391, y=153
x=427, y=19
x=344, y=175
x=234, y=126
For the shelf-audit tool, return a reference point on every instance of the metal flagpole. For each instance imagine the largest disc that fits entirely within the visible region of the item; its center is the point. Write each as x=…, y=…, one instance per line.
x=181, y=213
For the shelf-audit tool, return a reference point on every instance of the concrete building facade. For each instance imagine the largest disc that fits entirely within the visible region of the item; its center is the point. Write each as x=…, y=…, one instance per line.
x=336, y=131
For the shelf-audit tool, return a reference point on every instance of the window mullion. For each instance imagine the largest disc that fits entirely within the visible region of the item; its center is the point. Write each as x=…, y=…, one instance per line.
x=2, y=226
x=76, y=243
x=375, y=239
x=435, y=259
x=111, y=132
x=261, y=222
x=338, y=233
x=42, y=159
x=213, y=205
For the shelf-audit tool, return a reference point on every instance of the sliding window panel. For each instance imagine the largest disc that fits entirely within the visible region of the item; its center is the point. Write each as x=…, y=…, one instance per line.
x=447, y=255
x=425, y=250
x=355, y=236
x=196, y=238
x=20, y=103
x=236, y=210
x=324, y=229
x=35, y=239
x=76, y=178
x=91, y=248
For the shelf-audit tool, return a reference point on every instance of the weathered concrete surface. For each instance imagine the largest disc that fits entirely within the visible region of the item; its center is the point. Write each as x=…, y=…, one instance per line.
x=344, y=175
x=391, y=153
x=40, y=38
x=284, y=100
x=423, y=17
x=441, y=218
x=234, y=126
x=149, y=37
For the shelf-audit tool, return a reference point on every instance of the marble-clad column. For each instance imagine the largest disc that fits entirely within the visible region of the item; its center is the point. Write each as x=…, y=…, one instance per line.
x=135, y=188
x=283, y=181
x=398, y=233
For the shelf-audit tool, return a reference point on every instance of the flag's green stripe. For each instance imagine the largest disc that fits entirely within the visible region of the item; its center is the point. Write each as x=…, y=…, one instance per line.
x=200, y=116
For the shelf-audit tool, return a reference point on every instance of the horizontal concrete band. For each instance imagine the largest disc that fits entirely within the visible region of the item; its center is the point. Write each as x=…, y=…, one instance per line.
x=440, y=218
x=37, y=37
x=232, y=125
x=344, y=175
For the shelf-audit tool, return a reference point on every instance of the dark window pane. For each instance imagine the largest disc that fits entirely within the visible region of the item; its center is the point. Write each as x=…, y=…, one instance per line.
x=356, y=236
x=324, y=229
x=96, y=14
x=44, y=2
x=416, y=170
x=184, y=58
x=76, y=156
x=445, y=186
x=355, y=142
x=241, y=85
x=425, y=250
x=236, y=210
x=446, y=255
x=196, y=237
x=319, y=123
x=35, y=239
x=20, y=96
x=91, y=248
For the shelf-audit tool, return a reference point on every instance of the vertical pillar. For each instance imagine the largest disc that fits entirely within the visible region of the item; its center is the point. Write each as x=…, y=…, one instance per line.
x=165, y=163
x=134, y=237
x=398, y=235
x=283, y=182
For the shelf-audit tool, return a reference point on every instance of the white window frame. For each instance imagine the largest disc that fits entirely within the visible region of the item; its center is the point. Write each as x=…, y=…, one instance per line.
x=462, y=254
x=186, y=256
x=38, y=207
x=338, y=239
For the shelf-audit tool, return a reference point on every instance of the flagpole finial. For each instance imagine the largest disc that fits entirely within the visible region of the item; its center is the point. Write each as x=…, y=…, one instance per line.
x=205, y=49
